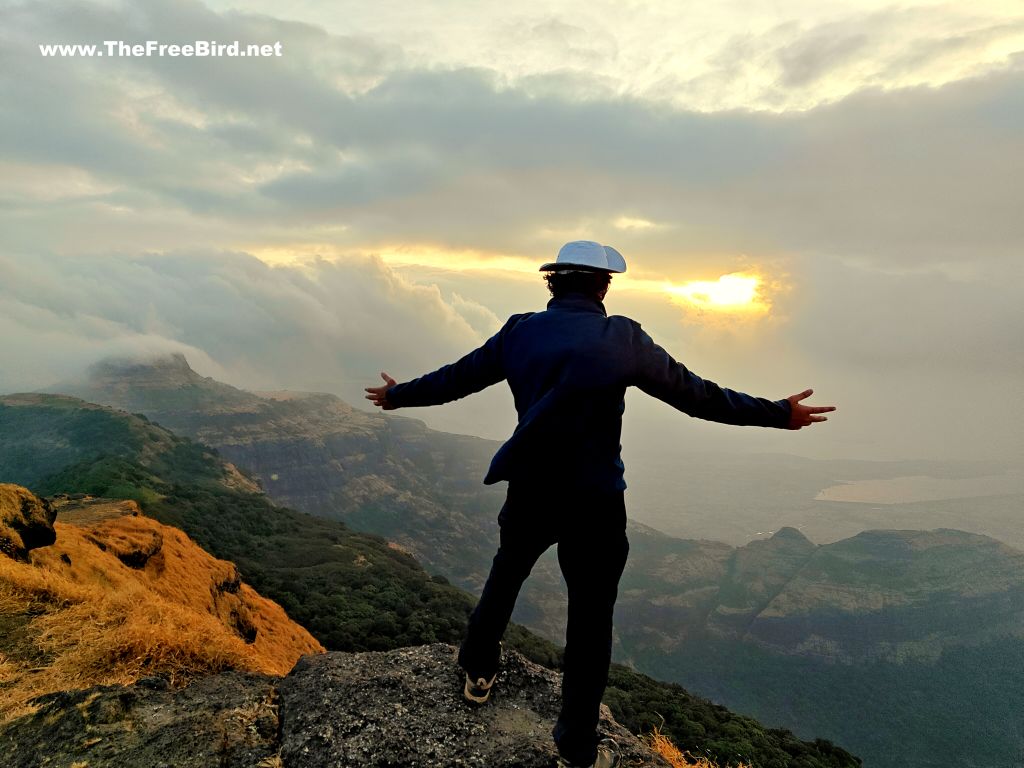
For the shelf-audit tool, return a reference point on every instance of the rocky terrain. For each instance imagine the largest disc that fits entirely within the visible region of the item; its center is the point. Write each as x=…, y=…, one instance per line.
x=366, y=710
x=26, y=522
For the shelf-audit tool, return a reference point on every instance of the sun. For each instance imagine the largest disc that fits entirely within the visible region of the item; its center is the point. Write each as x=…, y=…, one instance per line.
x=735, y=292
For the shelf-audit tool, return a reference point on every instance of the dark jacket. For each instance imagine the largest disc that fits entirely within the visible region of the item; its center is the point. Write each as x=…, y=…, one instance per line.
x=568, y=368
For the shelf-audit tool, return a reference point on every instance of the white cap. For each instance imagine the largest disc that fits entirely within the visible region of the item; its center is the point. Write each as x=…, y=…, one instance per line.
x=587, y=253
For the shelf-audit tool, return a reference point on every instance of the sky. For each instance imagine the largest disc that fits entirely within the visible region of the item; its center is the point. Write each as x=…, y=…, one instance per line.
x=807, y=194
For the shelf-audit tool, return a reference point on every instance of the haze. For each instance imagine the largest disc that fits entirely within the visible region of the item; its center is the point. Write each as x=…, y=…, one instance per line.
x=806, y=195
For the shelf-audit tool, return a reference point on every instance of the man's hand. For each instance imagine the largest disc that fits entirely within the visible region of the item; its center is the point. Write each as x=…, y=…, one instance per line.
x=379, y=395
x=805, y=415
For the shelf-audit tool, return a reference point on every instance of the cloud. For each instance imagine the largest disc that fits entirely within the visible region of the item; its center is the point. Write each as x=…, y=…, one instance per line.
x=812, y=58
x=321, y=324
x=238, y=151
x=724, y=55
x=444, y=156
x=858, y=318
x=890, y=216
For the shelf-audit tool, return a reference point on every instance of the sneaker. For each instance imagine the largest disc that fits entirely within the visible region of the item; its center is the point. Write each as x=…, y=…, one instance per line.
x=607, y=756
x=478, y=691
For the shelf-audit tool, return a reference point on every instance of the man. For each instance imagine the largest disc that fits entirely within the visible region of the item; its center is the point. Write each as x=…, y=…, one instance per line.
x=568, y=368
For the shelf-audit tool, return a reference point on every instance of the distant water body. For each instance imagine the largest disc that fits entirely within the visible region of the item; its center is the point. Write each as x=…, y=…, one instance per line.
x=906, y=490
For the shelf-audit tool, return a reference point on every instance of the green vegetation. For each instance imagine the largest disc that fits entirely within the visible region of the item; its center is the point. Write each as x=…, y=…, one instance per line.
x=352, y=591
x=709, y=730
x=921, y=720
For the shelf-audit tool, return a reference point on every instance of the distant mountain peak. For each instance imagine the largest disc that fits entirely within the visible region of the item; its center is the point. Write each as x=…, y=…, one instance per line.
x=163, y=369
x=788, y=533
x=165, y=383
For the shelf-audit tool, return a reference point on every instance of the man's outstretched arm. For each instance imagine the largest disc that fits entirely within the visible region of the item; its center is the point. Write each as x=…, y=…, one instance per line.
x=479, y=369
x=658, y=374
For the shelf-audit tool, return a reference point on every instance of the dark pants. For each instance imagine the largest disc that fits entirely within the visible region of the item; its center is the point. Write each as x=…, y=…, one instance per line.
x=590, y=530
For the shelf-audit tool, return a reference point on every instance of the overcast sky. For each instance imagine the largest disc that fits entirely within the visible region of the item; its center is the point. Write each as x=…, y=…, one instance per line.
x=380, y=196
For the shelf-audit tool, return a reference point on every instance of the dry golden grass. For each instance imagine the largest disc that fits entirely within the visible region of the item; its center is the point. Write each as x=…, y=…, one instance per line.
x=675, y=757
x=8, y=670
x=100, y=622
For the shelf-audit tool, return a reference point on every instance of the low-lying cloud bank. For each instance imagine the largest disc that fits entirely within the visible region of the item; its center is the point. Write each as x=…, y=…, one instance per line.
x=321, y=325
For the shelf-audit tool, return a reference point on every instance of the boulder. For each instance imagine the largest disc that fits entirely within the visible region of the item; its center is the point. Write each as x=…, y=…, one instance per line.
x=26, y=522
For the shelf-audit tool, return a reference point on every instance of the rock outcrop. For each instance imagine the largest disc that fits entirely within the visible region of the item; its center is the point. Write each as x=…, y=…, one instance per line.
x=228, y=719
x=364, y=710
x=405, y=707
x=115, y=596
x=26, y=522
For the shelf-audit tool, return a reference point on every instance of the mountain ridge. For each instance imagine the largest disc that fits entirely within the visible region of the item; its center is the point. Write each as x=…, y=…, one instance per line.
x=351, y=590
x=860, y=617
x=390, y=475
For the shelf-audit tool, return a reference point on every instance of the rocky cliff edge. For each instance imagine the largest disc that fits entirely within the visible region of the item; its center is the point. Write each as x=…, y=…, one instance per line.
x=350, y=710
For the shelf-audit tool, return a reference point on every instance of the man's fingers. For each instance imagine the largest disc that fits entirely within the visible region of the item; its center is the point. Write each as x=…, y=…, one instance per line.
x=820, y=408
x=803, y=395
x=379, y=395
x=817, y=418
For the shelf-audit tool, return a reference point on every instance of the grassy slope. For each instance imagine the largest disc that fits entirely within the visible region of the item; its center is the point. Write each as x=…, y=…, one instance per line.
x=351, y=591
x=123, y=597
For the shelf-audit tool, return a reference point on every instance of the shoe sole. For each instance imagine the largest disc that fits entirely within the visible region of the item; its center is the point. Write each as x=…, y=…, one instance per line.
x=473, y=698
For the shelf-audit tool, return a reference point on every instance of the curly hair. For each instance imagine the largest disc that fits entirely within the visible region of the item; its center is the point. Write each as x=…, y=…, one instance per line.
x=591, y=283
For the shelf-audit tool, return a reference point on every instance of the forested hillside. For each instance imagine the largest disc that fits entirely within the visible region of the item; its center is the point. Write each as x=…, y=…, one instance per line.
x=352, y=591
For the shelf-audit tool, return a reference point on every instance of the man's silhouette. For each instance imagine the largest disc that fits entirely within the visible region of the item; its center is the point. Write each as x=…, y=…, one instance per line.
x=568, y=368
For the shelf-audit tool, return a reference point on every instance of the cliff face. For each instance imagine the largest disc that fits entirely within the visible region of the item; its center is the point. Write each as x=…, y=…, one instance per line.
x=366, y=710
x=114, y=595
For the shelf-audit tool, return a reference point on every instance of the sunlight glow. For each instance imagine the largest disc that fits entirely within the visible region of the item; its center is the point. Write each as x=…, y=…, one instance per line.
x=430, y=256
x=732, y=292
x=631, y=222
